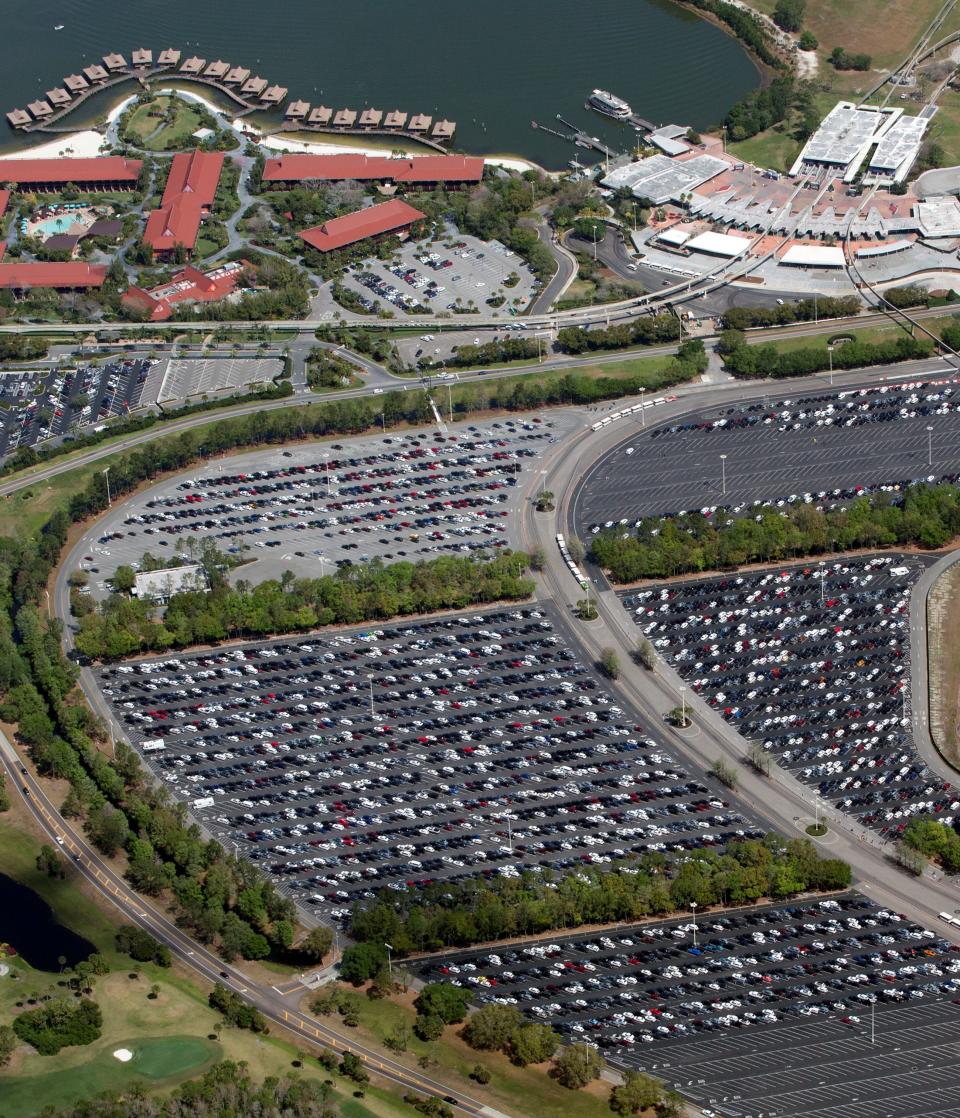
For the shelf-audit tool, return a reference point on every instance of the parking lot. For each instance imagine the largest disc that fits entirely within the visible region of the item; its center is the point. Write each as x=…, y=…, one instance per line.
x=399, y=756
x=180, y=379
x=456, y=271
x=41, y=404
x=822, y=1006
x=813, y=663
x=308, y=508
x=816, y=448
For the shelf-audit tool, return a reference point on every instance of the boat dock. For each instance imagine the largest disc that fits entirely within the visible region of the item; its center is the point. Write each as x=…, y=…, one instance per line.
x=576, y=136
x=250, y=93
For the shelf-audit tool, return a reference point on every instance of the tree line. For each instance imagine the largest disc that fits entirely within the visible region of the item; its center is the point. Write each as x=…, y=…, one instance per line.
x=803, y=310
x=761, y=361
x=464, y=912
x=121, y=626
x=922, y=515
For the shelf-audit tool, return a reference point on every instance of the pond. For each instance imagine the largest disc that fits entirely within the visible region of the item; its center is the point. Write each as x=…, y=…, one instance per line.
x=28, y=924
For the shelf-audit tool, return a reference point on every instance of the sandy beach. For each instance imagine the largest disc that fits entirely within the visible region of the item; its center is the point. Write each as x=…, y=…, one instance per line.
x=80, y=145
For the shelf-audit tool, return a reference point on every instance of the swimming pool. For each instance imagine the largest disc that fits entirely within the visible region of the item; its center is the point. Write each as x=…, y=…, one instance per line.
x=51, y=225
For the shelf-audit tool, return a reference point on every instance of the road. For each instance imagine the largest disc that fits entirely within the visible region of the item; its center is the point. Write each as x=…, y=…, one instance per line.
x=565, y=274
x=280, y=1009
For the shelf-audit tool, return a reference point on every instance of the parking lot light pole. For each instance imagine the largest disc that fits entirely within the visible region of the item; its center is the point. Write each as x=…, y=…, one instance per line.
x=643, y=414
x=693, y=907
x=389, y=947
x=929, y=445
x=823, y=575
x=106, y=474
x=683, y=707
x=370, y=680
x=830, y=356
x=723, y=473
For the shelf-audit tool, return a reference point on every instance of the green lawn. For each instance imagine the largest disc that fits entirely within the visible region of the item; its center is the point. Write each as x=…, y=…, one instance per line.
x=773, y=149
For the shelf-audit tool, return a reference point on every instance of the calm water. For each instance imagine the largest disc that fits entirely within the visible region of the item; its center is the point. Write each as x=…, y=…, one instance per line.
x=491, y=66
x=28, y=924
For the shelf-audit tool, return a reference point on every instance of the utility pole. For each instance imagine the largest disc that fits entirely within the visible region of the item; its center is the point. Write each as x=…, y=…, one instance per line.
x=594, y=240
x=106, y=474
x=389, y=947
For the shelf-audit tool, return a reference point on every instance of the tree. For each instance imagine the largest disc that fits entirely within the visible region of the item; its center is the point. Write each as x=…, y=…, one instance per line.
x=50, y=863
x=610, y=663
x=544, y=501
x=533, y=1044
x=645, y=654
x=759, y=758
x=428, y=1026
x=398, y=1039
x=444, y=1000
x=679, y=717
x=491, y=1028
x=576, y=549
x=587, y=609
x=788, y=14
x=724, y=772
x=808, y=41
x=123, y=579
x=316, y=944
x=637, y=1093
x=480, y=1074
x=362, y=961
x=577, y=1066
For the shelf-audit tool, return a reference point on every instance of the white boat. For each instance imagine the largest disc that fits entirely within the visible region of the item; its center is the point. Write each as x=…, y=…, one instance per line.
x=609, y=105
x=59, y=27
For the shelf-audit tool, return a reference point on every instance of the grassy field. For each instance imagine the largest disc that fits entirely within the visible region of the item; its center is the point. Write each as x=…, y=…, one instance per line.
x=172, y=135
x=521, y=1091
x=871, y=334
x=169, y=1035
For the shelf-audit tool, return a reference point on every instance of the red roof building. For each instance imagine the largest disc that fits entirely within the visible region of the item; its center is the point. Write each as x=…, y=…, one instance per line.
x=389, y=217
x=107, y=172
x=69, y=276
x=189, y=286
x=188, y=195
x=420, y=169
x=4, y=201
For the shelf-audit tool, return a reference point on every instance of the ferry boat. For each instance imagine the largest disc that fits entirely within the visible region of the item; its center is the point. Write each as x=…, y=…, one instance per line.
x=609, y=105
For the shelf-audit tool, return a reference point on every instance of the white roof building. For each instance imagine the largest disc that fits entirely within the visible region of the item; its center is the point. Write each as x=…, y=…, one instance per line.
x=845, y=136
x=160, y=586
x=813, y=256
x=662, y=179
x=719, y=244
x=673, y=236
x=897, y=150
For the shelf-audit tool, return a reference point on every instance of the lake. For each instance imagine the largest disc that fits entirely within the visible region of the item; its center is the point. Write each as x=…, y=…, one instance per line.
x=491, y=67
x=28, y=923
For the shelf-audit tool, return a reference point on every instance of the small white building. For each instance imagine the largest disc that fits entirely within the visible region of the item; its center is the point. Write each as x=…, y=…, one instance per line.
x=813, y=256
x=160, y=586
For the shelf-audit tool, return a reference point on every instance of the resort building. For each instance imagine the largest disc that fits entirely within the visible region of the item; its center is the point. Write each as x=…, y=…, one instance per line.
x=423, y=170
x=72, y=275
x=394, y=217
x=189, y=286
x=187, y=198
x=105, y=172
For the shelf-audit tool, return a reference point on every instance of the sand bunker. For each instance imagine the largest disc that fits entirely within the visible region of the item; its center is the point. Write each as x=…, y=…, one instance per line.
x=124, y=1055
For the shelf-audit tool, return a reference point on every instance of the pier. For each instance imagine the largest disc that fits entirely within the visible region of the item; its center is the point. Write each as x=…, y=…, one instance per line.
x=576, y=136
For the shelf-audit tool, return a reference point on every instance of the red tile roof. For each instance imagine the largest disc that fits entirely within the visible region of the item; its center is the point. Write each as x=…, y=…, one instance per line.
x=369, y=222
x=418, y=168
x=106, y=168
x=191, y=188
x=47, y=274
x=189, y=284
x=4, y=201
